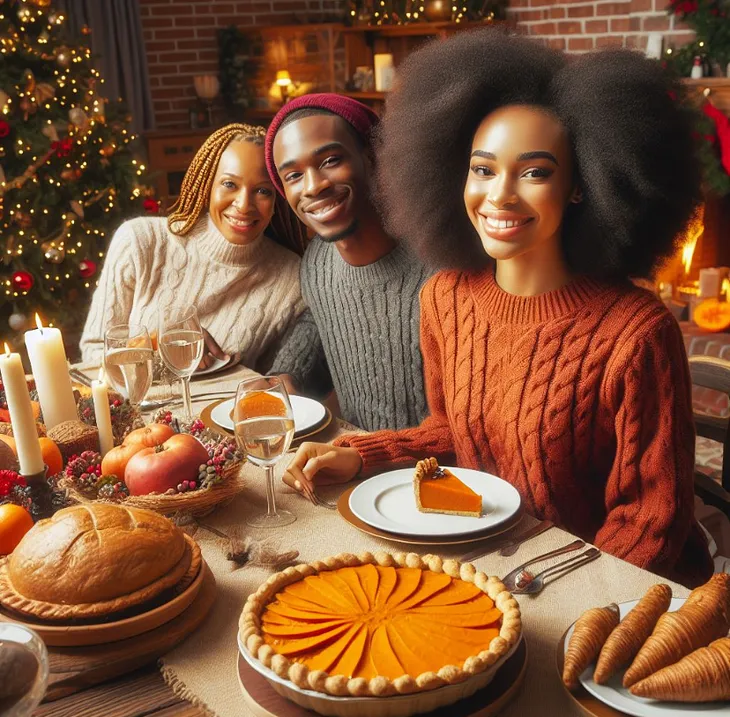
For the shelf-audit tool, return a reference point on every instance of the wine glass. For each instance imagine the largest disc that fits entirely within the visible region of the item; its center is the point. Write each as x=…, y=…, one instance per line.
x=264, y=426
x=128, y=360
x=23, y=670
x=180, y=340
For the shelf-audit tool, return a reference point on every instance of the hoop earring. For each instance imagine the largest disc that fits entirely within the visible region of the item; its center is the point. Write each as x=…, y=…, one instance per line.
x=577, y=196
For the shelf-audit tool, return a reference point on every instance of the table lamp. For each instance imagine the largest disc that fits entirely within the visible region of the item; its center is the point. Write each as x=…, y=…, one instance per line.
x=284, y=82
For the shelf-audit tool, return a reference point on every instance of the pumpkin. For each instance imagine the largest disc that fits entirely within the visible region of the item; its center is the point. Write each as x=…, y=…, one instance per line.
x=712, y=315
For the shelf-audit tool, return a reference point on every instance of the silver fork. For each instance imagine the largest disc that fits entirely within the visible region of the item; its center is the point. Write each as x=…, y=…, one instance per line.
x=509, y=580
x=537, y=582
x=315, y=499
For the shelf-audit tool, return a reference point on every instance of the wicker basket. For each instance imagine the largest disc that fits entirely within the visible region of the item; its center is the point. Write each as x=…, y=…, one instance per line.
x=196, y=503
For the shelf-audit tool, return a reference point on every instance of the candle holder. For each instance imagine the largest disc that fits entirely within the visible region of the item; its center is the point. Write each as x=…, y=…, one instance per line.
x=40, y=492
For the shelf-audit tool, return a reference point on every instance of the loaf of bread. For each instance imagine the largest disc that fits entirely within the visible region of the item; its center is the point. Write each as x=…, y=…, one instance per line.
x=94, y=553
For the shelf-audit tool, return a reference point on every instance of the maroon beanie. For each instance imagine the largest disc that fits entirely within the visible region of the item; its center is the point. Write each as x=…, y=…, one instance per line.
x=361, y=118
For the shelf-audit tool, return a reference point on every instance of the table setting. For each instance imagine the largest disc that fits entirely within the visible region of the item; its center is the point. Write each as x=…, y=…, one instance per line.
x=265, y=607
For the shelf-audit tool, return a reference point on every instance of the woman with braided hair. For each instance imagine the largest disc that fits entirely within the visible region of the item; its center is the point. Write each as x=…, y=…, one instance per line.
x=540, y=187
x=230, y=245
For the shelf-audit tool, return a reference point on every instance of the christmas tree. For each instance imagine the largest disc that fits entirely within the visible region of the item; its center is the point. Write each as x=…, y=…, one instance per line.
x=68, y=177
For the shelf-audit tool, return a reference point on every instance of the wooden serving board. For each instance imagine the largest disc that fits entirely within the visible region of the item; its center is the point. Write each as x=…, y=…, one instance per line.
x=76, y=668
x=263, y=701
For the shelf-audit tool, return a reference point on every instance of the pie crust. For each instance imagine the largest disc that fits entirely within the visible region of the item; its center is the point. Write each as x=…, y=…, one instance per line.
x=252, y=635
x=453, y=497
x=12, y=599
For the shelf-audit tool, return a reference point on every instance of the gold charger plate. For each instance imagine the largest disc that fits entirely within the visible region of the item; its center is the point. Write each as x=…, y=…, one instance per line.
x=343, y=507
x=205, y=417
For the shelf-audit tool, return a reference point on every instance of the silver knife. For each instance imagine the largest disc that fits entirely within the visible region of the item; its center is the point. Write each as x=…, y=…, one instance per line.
x=510, y=544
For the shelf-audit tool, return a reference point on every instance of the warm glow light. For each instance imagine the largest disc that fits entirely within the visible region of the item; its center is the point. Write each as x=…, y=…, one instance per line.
x=7, y=348
x=38, y=322
x=282, y=78
x=694, y=232
x=726, y=289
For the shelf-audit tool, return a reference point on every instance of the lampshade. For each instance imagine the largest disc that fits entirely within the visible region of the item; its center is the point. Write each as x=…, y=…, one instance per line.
x=282, y=78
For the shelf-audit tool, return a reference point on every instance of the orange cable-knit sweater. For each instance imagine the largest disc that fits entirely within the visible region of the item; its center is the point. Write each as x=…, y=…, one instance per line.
x=579, y=397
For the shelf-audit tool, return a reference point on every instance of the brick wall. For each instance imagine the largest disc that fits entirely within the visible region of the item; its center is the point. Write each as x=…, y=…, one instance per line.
x=180, y=39
x=579, y=26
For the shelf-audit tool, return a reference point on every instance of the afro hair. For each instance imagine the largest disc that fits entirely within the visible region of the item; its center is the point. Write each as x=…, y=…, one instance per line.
x=631, y=138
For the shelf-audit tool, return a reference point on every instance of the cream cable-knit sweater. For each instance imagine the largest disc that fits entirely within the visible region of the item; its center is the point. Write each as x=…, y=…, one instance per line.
x=247, y=296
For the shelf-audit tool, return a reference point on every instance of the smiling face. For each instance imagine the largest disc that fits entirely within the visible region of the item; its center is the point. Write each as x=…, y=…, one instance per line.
x=324, y=170
x=242, y=196
x=520, y=181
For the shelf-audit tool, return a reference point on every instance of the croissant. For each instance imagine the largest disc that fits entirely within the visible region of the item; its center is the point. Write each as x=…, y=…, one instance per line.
x=591, y=631
x=702, y=676
x=702, y=619
x=626, y=639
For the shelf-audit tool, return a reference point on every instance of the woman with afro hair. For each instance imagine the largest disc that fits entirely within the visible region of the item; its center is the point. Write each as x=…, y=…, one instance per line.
x=540, y=186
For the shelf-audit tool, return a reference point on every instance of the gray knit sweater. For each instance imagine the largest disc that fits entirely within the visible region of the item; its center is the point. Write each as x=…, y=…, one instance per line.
x=368, y=322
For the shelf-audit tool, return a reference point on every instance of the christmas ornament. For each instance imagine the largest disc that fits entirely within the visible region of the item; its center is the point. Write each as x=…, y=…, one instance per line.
x=107, y=150
x=78, y=118
x=52, y=252
x=77, y=208
x=43, y=92
x=17, y=322
x=40, y=3
x=4, y=129
x=51, y=132
x=151, y=206
x=29, y=107
x=86, y=30
x=63, y=147
x=722, y=127
x=22, y=281
x=63, y=57
x=87, y=268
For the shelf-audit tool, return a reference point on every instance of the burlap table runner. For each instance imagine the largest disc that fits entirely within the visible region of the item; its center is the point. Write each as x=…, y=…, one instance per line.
x=203, y=668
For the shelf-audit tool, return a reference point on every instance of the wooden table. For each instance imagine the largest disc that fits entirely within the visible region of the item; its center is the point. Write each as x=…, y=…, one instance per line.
x=545, y=617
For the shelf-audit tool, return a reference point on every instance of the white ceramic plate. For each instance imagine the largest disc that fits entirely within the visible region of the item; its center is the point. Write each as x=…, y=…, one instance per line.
x=615, y=695
x=217, y=366
x=395, y=706
x=387, y=502
x=308, y=413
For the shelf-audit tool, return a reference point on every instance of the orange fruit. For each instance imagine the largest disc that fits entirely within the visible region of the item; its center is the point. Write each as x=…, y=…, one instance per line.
x=712, y=315
x=15, y=522
x=51, y=456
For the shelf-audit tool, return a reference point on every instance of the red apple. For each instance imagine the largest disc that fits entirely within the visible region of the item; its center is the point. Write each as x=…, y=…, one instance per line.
x=154, y=470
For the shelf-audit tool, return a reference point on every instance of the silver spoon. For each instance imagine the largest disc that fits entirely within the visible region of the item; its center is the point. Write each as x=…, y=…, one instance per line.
x=529, y=584
x=509, y=579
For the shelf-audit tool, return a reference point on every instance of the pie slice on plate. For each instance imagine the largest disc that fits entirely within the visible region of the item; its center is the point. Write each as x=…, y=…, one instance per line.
x=438, y=490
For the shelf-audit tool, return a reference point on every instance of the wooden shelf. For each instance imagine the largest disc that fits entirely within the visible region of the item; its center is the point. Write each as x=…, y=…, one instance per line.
x=419, y=29
x=365, y=95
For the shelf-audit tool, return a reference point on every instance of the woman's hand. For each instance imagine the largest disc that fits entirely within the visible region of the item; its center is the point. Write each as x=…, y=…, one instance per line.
x=212, y=353
x=321, y=464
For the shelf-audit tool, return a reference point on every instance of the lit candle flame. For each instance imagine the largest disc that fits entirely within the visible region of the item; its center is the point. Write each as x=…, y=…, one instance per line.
x=726, y=289
x=7, y=348
x=694, y=232
x=39, y=323
x=102, y=375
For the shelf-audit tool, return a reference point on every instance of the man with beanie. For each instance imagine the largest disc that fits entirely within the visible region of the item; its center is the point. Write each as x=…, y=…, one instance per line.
x=361, y=285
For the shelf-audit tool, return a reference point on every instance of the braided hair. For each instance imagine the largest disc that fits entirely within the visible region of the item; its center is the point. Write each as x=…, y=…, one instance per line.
x=197, y=183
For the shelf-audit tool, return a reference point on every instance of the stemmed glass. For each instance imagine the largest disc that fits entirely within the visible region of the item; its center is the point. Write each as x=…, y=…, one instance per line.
x=180, y=340
x=264, y=426
x=24, y=656
x=128, y=360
